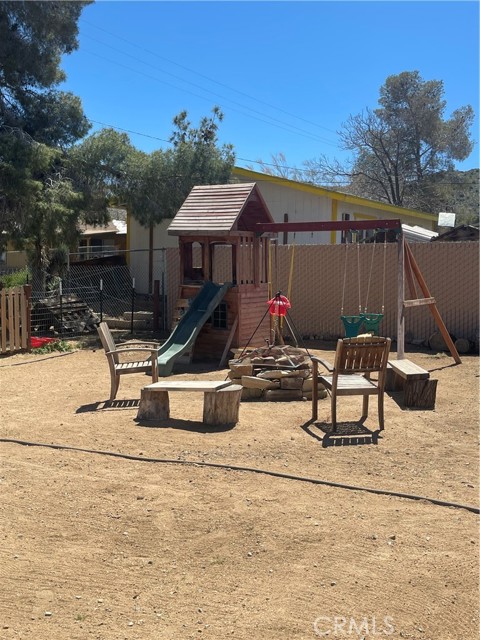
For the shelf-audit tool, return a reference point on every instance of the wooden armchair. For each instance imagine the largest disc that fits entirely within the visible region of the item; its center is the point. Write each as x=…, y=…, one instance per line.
x=117, y=368
x=355, y=360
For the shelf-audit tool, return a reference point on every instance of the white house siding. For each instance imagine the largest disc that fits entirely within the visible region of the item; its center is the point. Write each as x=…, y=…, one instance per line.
x=303, y=203
x=139, y=241
x=300, y=207
x=139, y=235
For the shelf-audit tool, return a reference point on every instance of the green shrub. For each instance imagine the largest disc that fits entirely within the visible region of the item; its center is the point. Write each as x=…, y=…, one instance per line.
x=16, y=279
x=57, y=345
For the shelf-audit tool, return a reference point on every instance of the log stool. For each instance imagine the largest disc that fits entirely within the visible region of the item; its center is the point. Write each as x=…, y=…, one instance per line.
x=419, y=390
x=220, y=406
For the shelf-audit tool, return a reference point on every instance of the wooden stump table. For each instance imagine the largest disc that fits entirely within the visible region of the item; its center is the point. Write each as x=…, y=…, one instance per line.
x=220, y=406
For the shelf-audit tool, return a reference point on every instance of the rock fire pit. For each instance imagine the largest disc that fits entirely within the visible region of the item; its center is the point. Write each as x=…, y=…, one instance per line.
x=277, y=373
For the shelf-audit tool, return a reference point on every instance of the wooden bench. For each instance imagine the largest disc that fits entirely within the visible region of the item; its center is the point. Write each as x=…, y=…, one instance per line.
x=419, y=391
x=220, y=406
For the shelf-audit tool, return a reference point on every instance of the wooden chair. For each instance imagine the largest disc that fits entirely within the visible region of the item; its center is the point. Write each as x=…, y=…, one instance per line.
x=117, y=368
x=355, y=360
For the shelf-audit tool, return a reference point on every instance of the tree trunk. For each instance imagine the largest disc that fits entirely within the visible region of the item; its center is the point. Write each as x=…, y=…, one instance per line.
x=154, y=405
x=420, y=394
x=222, y=406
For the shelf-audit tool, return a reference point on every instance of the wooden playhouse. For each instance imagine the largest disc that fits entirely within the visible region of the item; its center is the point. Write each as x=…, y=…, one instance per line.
x=217, y=242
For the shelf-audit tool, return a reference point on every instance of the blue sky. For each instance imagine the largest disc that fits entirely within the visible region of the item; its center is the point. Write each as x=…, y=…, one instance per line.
x=286, y=74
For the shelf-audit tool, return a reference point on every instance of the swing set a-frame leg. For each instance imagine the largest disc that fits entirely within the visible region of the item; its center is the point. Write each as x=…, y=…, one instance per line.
x=412, y=269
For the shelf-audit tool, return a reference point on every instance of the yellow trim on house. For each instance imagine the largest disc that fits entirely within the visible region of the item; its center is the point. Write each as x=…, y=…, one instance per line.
x=335, y=195
x=333, y=234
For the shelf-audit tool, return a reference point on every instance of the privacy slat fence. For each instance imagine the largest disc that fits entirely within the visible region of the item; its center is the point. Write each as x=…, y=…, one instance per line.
x=15, y=319
x=318, y=284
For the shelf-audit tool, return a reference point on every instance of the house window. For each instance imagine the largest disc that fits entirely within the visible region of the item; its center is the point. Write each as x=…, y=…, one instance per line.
x=360, y=235
x=346, y=235
x=96, y=245
x=365, y=234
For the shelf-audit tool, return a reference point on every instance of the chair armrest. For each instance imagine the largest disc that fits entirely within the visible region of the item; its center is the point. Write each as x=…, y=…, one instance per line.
x=315, y=362
x=324, y=362
x=137, y=344
x=125, y=350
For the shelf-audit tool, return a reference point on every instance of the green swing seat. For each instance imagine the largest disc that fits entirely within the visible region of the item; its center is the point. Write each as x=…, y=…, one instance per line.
x=371, y=321
x=352, y=325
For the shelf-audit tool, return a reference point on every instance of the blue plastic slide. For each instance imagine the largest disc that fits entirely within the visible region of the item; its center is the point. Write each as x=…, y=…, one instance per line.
x=185, y=333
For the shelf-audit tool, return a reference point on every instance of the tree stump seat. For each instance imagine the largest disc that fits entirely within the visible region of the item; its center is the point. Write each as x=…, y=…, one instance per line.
x=220, y=406
x=419, y=390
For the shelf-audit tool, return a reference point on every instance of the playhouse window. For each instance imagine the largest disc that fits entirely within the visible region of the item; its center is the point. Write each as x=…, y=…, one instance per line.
x=219, y=316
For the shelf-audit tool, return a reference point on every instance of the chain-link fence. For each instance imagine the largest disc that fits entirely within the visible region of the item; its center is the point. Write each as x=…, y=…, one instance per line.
x=91, y=291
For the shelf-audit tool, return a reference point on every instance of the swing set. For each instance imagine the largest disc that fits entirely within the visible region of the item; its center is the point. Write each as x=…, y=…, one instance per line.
x=407, y=271
x=365, y=320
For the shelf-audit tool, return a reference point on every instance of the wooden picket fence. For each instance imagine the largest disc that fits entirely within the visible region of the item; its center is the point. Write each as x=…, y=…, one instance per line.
x=15, y=319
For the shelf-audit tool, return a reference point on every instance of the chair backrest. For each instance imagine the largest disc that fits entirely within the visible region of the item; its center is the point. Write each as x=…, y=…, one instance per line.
x=362, y=354
x=106, y=337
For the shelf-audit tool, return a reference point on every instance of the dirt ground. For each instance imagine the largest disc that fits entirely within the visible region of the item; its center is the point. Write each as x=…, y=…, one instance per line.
x=149, y=544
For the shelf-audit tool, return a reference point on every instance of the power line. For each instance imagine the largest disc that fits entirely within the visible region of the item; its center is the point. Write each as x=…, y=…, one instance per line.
x=299, y=131
x=261, y=162
x=214, y=93
x=146, y=135
x=201, y=75
x=305, y=135
x=136, y=133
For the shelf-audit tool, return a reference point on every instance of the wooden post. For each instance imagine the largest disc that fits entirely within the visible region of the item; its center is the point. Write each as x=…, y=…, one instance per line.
x=181, y=248
x=409, y=276
x=156, y=305
x=222, y=406
x=206, y=266
x=400, y=297
x=16, y=311
x=256, y=262
x=229, y=342
x=11, y=321
x=285, y=233
x=211, y=260
x=249, y=260
x=234, y=263
x=150, y=257
x=26, y=318
x=240, y=258
x=314, y=390
x=433, y=307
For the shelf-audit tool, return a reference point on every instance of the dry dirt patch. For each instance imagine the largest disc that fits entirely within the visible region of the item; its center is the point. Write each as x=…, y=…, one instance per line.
x=95, y=546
